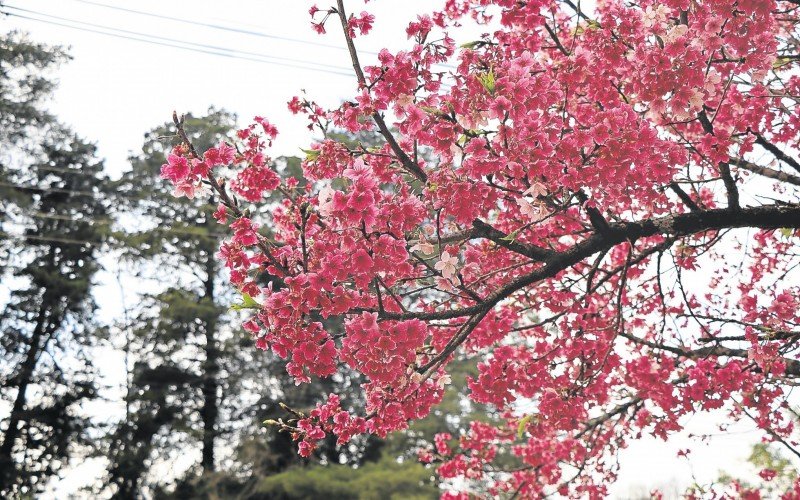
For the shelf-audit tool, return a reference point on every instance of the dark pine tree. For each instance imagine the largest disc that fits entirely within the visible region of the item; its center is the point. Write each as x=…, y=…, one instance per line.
x=53, y=233
x=52, y=206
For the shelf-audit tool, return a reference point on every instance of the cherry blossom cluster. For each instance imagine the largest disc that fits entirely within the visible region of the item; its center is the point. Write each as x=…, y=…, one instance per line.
x=597, y=208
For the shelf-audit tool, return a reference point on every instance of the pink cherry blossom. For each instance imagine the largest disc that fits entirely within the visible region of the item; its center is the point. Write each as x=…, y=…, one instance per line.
x=614, y=195
x=447, y=265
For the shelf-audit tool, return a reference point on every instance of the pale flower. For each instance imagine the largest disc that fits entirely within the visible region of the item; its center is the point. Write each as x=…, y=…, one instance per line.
x=404, y=100
x=712, y=80
x=475, y=120
x=675, y=33
x=696, y=99
x=534, y=211
x=537, y=189
x=424, y=247
x=325, y=201
x=758, y=75
x=654, y=16
x=447, y=265
x=443, y=284
x=189, y=189
x=466, y=122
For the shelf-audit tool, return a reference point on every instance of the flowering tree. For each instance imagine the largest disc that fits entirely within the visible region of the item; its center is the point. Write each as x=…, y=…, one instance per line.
x=609, y=223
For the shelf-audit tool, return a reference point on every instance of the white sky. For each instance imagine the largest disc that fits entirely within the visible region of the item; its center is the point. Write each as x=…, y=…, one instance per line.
x=114, y=90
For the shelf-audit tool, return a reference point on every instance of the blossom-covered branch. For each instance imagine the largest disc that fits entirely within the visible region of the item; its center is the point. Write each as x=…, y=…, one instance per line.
x=601, y=208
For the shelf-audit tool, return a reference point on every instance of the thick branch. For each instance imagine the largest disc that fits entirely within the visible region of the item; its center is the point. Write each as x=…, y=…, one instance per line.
x=767, y=172
x=777, y=153
x=595, y=217
x=792, y=365
x=763, y=217
x=684, y=196
x=482, y=229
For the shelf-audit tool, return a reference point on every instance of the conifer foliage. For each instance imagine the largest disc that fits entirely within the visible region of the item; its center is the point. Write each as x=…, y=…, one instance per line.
x=54, y=193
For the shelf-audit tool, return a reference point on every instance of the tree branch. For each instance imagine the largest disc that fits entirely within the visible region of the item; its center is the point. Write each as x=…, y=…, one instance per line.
x=482, y=229
x=724, y=168
x=767, y=172
x=404, y=159
x=776, y=152
x=762, y=217
x=684, y=196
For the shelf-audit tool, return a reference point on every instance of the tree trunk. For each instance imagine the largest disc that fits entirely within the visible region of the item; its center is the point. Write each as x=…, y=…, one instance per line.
x=128, y=470
x=210, y=410
x=25, y=376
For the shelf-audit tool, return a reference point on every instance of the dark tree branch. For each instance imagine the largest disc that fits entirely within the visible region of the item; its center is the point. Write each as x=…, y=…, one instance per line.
x=724, y=168
x=767, y=172
x=765, y=217
x=684, y=196
x=482, y=229
x=762, y=217
x=404, y=159
x=595, y=217
x=777, y=152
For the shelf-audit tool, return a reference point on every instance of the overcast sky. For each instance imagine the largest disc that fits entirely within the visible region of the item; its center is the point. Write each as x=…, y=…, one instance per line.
x=115, y=89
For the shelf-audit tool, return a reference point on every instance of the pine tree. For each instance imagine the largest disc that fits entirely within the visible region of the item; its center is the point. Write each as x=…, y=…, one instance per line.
x=48, y=323
x=53, y=202
x=178, y=380
x=25, y=84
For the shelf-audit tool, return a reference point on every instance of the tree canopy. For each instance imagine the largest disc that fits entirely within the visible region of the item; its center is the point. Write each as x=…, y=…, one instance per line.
x=607, y=220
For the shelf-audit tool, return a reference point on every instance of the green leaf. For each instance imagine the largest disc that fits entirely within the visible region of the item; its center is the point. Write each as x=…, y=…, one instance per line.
x=524, y=421
x=511, y=236
x=431, y=110
x=471, y=45
x=311, y=154
x=781, y=61
x=247, y=303
x=487, y=80
x=786, y=232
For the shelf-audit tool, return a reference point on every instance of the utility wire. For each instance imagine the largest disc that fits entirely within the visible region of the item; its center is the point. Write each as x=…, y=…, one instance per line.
x=109, y=222
x=48, y=238
x=70, y=171
x=219, y=27
x=47, y=190
x=168, y=230
x=165, y=44
x=102, y=222
x=174, y=40
x=233, y=29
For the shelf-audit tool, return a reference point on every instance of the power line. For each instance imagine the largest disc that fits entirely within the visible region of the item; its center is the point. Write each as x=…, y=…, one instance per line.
x=70, y=171
x=108, y=222
x=174, y=40
x=219, y=27
x=233, y=29
x=95, y=223
x=48, y=238
x=87, y=220
x=164, y=44
x=47, y=190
